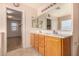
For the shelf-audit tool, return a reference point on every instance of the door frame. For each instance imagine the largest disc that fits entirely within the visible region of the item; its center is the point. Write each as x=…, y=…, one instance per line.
x=23, y=28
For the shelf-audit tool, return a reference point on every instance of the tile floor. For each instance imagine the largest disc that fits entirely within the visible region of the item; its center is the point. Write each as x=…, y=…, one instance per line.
x=23, y=52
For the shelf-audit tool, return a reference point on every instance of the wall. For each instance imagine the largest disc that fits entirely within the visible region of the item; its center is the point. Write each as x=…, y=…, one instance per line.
x=0, y=44
x=3, y=24
x=27, y=14
x=75, y=42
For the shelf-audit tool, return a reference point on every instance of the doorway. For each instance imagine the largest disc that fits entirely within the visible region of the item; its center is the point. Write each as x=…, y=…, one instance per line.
x=14, y=26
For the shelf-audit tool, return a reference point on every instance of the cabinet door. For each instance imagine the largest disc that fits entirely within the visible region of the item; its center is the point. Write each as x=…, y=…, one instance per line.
x=52, y=46
x=66, y=46
x=41, y=44
x=36, y=42
x=32, y=41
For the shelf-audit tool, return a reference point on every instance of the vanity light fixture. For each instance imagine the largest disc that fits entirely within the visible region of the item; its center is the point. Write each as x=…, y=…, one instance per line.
x=51, y=5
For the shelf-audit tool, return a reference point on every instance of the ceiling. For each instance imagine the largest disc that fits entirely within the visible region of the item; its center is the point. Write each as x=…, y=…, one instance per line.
x=37, y=5
x=65, y=9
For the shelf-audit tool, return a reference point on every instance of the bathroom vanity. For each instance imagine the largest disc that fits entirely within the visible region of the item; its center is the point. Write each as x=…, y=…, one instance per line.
x=51, y=45
x=54, y=42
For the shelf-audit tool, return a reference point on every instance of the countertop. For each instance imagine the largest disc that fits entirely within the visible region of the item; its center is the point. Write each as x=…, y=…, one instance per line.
x=61, y=35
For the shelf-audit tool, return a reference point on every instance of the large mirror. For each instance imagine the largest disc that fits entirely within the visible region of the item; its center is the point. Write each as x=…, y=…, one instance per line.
x=55, y=19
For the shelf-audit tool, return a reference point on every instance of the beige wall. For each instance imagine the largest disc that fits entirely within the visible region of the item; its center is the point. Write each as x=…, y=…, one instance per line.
x=0, y=44
x=75, y=43
x=27, y=14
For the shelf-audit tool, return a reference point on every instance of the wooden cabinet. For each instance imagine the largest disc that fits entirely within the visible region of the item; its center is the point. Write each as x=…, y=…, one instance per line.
x=57, y=46
x=42, y=44
x=52, y=46
x=32, y=40
x=36, y=42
